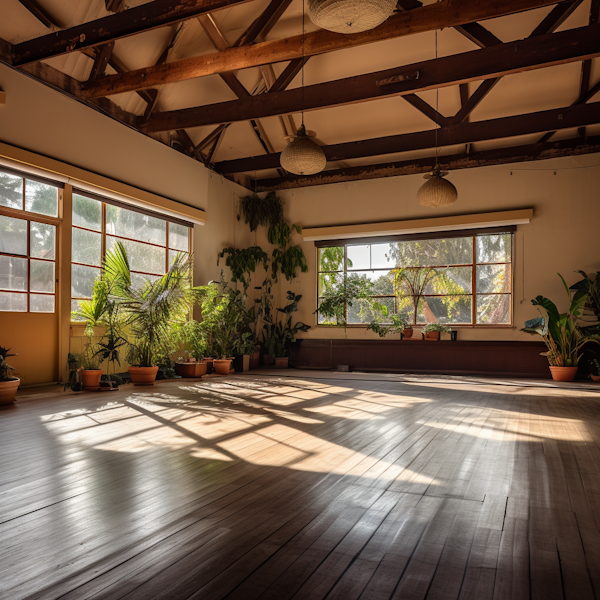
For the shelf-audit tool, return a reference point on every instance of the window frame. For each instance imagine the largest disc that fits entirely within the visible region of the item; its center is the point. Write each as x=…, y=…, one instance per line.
x=104, y=202
x=473, y=233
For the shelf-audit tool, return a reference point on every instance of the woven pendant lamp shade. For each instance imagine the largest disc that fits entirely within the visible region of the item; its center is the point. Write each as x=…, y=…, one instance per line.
x=350, y=16
x=302, y=156
x=437, y=191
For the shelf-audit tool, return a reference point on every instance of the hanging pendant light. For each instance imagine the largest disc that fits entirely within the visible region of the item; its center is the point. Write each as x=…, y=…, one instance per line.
x=350, y=16
x=302, y=156
x=437, y=191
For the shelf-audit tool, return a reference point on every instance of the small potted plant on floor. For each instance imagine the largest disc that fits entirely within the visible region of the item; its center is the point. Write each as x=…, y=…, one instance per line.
x=595, y=374
x=8, y=384
x=432, y=331
x=561, y=333
x=192, y=363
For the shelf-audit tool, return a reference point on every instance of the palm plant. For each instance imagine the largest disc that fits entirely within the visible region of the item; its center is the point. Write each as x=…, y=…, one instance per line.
x=150, y=312
x=411, y=283
x=561, y=332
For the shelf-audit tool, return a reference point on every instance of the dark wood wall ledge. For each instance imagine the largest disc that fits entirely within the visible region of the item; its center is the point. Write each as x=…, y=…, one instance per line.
x=508, y=359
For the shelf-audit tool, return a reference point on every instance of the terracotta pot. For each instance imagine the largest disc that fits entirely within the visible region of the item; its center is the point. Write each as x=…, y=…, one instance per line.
x=8, y=391
x=143, y=375
x=268, y=360
x=282, y=362
x=90, y=380
x=595, y=377
x=185, y=370
x=432, y=335
x=563, y=373
x=222, y=366
x=408, y=332
x=201, y=369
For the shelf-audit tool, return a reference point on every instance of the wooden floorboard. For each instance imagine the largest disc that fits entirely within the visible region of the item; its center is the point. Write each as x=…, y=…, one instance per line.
x=303, y=487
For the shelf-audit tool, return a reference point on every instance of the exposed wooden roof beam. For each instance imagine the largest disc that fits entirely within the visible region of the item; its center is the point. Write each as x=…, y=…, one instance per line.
x=426, y=109
x=476, y=97
x=40, y=13
x=486, y=158
x=158, y=13
x=463, y=133
x=478, y=34
x=101, y=61
x=263, y=24
x=113, y=5
x=556, y=17
x=513, y=57
x=426, y=18
x=288, y=74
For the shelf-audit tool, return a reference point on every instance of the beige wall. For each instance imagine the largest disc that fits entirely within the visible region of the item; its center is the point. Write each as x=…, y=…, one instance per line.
x=562, y=237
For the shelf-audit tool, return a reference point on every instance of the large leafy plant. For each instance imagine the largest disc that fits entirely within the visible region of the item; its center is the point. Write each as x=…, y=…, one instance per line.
x=279, y=331
x=153, y=311
x=341, y=295
x=563, y=336
x=242, y=262
x=397, y=323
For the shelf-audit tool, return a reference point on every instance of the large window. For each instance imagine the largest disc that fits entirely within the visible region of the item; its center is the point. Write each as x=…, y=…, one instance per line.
x=151, y=242
x=465, y=280
x=28, y=244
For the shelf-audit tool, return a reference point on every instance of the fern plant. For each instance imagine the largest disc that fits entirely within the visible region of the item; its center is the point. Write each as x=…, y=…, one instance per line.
x=267, y=211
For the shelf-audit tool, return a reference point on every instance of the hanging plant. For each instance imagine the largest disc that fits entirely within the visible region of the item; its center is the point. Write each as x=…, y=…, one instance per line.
x=242, y=262
x=280, y=234
x=288, y=262
x=267, y=211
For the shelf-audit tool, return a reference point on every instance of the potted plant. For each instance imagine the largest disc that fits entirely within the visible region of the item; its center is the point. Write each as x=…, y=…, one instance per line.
x=279, y=333
x=399, y=323
x=432, y=331
x=151, y=312
x=595, y=374
x=91, y=311
x=561, y=333
x=193, y=365
x=8, y=384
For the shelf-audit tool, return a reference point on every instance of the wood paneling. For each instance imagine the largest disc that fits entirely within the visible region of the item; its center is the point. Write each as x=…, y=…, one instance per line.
x=424, y=356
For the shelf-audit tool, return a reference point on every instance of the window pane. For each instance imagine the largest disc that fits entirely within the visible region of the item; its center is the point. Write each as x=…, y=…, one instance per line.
x=13, y=302
x=427, y=253
x=13, y=273
x=41, y=303
x=359, y=257
x=451, y=281
x=381, y=257
x=493, y=278
x=87, y=212
x=11, y=191
x=493, y=309
x=142, y=257
x=82, y=281
x=382, y=281
x=445, y=309
x=42, y=276
x=42, y=240
x=173, y=254
x=138, y=281
x=41, y=198
x=179, y=237
x=331, y=259
x=136, y=226
x=13, y=236
x=87, y=247
x=328, y=282
x=362, y=311
x=494, y=248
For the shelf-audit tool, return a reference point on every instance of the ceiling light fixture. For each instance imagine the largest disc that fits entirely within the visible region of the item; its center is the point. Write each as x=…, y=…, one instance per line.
x=350, y=16
x=437, y=191
x=302, y=156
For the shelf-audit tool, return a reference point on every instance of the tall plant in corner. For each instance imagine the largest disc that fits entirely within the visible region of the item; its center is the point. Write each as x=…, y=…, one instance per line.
x=561, y=332
x=151, y=312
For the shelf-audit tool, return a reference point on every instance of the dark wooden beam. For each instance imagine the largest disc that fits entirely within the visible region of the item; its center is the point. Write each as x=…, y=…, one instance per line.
x=113, y=5
x=263, y=23
x=486, y=158
x=463, y=133
x=288, y=74
x=556, y=17
x=476, y=97
x=427, y=18
x=426, y=109
x=478, y=34
x=101, y=61
x=586, y=67
x=513, y=57
x=40, y=13
x=158, y=13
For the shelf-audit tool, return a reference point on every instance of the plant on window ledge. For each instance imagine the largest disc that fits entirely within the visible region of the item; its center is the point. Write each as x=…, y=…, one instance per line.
x=399, y=324
x=432, y=331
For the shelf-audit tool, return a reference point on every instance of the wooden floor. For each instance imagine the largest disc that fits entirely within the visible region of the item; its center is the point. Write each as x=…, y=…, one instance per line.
x=256, y=486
